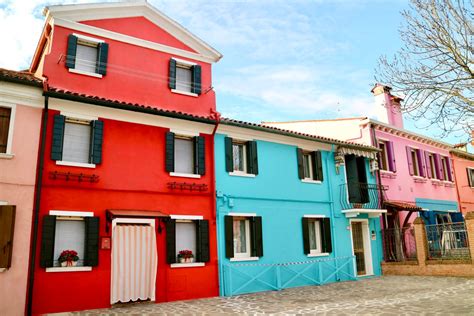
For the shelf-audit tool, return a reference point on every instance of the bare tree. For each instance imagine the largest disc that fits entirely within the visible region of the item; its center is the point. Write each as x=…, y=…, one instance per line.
x=434, y=70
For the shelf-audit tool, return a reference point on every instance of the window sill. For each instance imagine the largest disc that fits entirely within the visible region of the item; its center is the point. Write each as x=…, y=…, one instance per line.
x=419, y=179
x=3, y=269
x=388, y=174
x=68, y=269
x=188, y=265
x=85, y=73
x=322, y=254
x=311, y=181
x=189, y=94
x=244, y=259
x=6, y=156
x=75, y=164
x=241, y=174
x=185, y=175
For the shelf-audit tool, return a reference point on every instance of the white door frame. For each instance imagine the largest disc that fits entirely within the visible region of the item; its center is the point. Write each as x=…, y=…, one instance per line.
x=369, y=269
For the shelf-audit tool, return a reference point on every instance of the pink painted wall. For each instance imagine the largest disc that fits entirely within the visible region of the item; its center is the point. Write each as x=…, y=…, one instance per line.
x=466, y=193
x=17, y=179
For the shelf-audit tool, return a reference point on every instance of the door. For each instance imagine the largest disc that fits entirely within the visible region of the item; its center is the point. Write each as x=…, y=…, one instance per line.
x=358, y=246
x=356, y=179
x=134, y=262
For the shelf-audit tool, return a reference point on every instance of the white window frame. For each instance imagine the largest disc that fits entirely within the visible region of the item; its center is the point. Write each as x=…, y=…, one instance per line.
x=247, y=255
x=384, y=156
x=241, y=173
x=11, y=127
x=310, y=166
x=72, y=215
x=188, y=136
x=184, y=64
x=313, y=252
x=187, y=218
x=90, y=41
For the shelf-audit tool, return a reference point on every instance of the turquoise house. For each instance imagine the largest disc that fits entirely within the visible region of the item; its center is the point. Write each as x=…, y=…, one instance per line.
x=293, y=209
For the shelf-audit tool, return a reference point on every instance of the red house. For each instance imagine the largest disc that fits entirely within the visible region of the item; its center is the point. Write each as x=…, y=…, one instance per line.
x=126, y=160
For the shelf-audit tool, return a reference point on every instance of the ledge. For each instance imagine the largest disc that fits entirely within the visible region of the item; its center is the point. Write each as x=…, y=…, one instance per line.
x=311, y=181
x=185, y=175
x=189, y=94
x=85, y=73
x=75, y=164
x=187, y=265
x=244, y=259
x=69, y=269
x=322, y=254
x=241, y=174
x=6, y=156
x=354, y=212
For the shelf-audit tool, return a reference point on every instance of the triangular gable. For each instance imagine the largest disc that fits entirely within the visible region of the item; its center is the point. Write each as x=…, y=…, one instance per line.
x=74, y=14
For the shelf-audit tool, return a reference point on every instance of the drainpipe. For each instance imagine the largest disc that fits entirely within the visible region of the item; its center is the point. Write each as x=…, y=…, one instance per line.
x=217, y=118
x=37, y=202
x=456, y=185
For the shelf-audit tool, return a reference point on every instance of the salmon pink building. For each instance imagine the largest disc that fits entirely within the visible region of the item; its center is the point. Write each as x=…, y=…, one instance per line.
x=463, y=166
x=127, y=204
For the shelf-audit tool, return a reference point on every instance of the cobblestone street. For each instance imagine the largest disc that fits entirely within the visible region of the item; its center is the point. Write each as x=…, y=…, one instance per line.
x=389, y=295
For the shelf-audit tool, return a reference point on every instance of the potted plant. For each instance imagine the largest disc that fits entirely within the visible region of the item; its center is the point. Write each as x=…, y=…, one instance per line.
x=185, y=256
x=68, y=258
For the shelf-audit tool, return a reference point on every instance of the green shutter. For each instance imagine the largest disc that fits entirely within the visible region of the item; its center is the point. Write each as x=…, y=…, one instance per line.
x=326, y=235
x=97, y=136
x=252, y=159
x=257, y=236
x=102, y=58
x=202, y=252
x=317, y=166
x=47, y=241
x=196, y=79
x=306, y=246
x=59, y=121
x=229, y=236
x=200, y=155
x=169, y=161
x=229, y=159
x=91, y=248
x=299, y=158
x=7, y=227
x=172, y=78
x=71, y=51
x=171, y=241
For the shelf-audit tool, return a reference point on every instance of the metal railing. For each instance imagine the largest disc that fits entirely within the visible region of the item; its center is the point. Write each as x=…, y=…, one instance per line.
x=361, y=195
x=399, y=244
x=447, y=241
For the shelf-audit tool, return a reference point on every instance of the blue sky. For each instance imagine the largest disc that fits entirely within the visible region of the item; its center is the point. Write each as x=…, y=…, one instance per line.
x=283, y=60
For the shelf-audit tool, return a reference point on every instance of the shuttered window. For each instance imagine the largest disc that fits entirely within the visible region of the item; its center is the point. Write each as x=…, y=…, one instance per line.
x=243, y=237
x=184, y=155
x=5, y=115
x=87, y=55
x=310, y=165
x=184, y=76
x=241, y=156
x=185, y=236
x=69, y=235
x=7, y=227
x=77, y=142
x=316, y=236
x=190, y=235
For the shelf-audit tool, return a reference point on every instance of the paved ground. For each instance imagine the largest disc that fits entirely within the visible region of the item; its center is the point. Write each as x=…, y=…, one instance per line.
x=390, y=295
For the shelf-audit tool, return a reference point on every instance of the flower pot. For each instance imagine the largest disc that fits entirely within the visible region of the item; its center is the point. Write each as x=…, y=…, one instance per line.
x=182, y=260
x=68, y=263
x=189, y=260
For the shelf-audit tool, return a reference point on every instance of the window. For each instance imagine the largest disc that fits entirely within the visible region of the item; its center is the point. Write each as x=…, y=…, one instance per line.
x=446, y=168
x=77, y=142
x=66, y=230
x=386, y=156
x=184, y=77
x=309, y=165
x=7, y=227
x=241, y=157
x=470, y=177
x=187, y=233
x=430, y=165
x=316, y=235
x=415, y=162
x=185, y=155
x=415, y=169
x=5, y=116
x=243, y=237
x=86, y=55
x=383, y=156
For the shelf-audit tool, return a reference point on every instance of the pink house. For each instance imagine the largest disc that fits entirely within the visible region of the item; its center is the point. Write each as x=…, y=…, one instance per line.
x=463, y=166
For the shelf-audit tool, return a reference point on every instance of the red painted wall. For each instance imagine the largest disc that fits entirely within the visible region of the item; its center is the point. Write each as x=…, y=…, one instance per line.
x=132, y=176
x=134, y=74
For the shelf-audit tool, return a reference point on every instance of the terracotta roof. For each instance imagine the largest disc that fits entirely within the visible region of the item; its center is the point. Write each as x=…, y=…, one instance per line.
x=24, y=77
x=402, y=205
x=321, y=120
x=290, y=133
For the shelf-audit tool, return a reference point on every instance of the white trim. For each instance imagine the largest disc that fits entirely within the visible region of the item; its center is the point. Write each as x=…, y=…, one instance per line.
x=190, y=217
x=243, y=214
x=354, y=212
x=189, y=94
x=11, y=127
x=182, y=132
x=184, y=62
x=79, y=116
x=419, y=177
x=15, y=93
x=3, y=202
x=75, y=164
x=305, y=180
x=68, y=269
x=187, y=265
x=321, y=254
x=185, y=175
x=71, y=213
x=387, y=172
x=314, y=216
x=3, y=269
x=86, y=73
x=369, y=269
x=245, y=259
x=241, y=174
x=88, y=38
x=6, y=156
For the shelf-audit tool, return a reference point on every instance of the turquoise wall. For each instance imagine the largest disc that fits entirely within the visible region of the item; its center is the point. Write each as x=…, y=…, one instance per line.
x=282, y=199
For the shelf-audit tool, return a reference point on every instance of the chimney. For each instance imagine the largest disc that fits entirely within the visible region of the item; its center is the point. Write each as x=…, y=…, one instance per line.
x=387, y=105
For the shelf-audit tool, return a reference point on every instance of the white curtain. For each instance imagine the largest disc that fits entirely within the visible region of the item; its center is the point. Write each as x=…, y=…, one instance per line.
x=134, y=263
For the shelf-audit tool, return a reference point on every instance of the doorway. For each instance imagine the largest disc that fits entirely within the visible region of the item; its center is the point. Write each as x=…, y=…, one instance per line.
x=356, y=176
x=361, y=248
x=134, y=260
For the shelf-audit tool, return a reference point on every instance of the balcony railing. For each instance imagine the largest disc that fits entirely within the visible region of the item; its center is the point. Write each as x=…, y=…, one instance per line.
x=357, y=195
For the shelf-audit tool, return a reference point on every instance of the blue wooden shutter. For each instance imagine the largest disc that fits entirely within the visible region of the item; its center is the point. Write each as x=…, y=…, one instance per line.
x=97, y=137
x=59, y=121
x=196, y=87
x=71, y=51
x=169, y=161
x=47, y=241
x=200, y=155
x=299, y=159
x=102, y=55
x=91, y=248
x=172, y=74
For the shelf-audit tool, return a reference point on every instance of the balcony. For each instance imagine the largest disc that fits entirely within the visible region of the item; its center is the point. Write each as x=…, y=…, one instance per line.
x=359, y=197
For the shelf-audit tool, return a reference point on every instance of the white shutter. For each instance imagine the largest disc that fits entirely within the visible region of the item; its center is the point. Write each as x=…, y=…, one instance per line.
x=86, y=58
x=184, y=156
x=186, y=237
x=70, y=235
x=183, y=79
x=77, y=139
